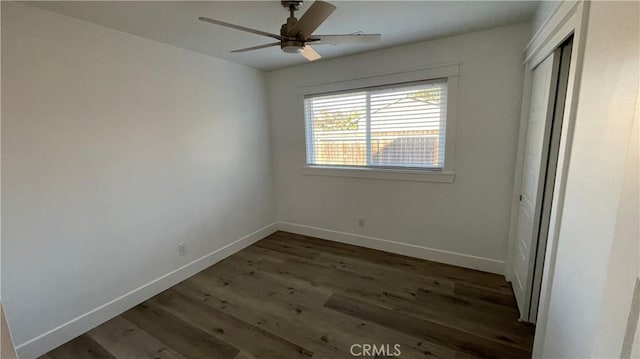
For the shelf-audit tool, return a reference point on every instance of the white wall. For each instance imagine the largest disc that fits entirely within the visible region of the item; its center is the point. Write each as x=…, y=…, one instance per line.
x=469, y=216
x=115, y=149
x=542, y=14
x=624, y=260
x=594, y=273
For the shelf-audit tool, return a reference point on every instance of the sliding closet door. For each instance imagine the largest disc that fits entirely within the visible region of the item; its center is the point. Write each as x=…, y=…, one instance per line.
x=543, y=91
x=550, y=175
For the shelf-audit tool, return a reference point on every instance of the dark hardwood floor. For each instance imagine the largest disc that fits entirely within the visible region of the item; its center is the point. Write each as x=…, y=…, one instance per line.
x=292, y=296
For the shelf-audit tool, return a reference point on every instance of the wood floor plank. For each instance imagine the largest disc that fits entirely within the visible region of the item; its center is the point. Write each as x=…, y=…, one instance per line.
x=291, y=249
x=505, y=299
x=461, y=315
x=265, y=270
x=437, y=333
x=293, y=305
x=243, y=355
x=471, y=308
x=82, y=347
x=349, y=282
x=185, y=339
x=447, y=310
x=252, y=311
x=247, y=337
x=445, y=271
x=384, y=273
x=125, y=340
x=293, y=296
x=355, y=267
x=261, y=253
x=362, y=284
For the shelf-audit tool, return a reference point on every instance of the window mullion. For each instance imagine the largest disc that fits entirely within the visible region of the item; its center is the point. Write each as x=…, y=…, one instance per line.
x=368, y=129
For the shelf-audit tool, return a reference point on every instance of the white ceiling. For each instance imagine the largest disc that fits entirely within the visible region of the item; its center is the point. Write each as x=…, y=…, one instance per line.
x=399, y=22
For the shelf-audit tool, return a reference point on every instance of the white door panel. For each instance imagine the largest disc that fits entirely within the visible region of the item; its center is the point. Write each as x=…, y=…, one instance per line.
x=534, y=166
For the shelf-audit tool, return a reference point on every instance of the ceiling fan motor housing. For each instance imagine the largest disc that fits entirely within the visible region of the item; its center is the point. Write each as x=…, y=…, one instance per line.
x=287, y=29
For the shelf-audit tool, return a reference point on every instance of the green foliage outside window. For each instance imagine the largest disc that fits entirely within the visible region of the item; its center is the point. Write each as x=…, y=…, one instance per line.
x=428, y=95
x=337, y=120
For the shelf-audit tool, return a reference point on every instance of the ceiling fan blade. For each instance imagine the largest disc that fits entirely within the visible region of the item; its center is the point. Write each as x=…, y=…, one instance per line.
x=313, y=18
x=257, y=47
x=344, y=39
x=241, y=28
x=309, y=53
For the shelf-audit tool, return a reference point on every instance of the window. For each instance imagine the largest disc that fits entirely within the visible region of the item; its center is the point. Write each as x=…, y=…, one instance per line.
x=397, y=126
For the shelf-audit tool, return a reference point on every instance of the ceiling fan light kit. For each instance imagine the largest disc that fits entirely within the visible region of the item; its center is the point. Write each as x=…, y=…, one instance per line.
x=296, y=36
x=292, y=47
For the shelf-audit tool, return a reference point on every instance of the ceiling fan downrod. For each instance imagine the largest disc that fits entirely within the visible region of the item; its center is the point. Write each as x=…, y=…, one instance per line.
x=293, y=44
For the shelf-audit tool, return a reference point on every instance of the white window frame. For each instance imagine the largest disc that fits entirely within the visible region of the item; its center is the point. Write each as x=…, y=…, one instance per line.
x=444, y=175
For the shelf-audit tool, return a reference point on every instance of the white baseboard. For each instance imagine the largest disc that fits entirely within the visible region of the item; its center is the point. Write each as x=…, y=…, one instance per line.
x=55, y=337
x=411, y=250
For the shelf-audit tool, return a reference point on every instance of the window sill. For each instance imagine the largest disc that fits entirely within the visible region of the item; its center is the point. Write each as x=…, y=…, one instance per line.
x=381, y=174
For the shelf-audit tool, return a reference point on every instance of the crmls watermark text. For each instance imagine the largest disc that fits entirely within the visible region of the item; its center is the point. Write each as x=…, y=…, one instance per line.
x=374, y=350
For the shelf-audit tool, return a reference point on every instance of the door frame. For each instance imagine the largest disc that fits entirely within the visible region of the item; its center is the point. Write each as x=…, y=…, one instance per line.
x=568, y=18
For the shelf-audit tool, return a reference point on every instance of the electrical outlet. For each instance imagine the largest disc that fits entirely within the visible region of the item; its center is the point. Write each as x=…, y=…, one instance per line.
x=360, y=222
x=182, y=248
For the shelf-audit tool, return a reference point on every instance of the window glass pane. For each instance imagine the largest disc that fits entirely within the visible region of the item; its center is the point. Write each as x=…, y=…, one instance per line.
x=336, y=126
x=403, y=126
x=407, y=127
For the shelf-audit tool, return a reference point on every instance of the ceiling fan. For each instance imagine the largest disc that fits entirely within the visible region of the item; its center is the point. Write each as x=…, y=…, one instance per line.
x=296, y=36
